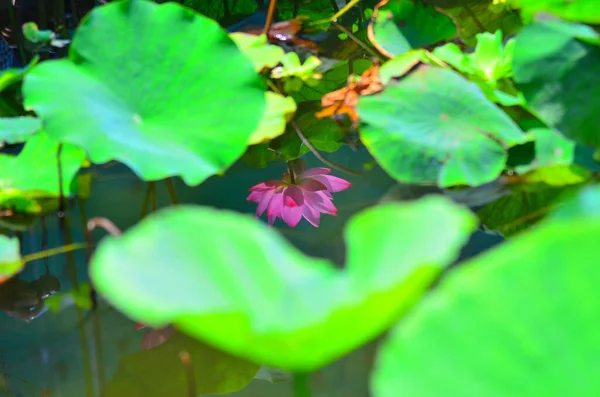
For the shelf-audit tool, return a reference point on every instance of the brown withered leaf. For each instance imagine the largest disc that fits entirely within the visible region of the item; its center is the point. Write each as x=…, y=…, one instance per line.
x=344, y=100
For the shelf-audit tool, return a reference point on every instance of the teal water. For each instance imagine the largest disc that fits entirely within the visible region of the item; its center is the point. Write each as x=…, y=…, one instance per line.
x=74, y=353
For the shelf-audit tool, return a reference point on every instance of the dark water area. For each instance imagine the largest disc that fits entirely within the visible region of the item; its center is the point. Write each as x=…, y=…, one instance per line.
x=70, y=352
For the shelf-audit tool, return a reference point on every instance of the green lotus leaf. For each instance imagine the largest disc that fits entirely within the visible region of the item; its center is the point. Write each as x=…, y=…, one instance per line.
x=585, y=204
x=551, y=149
x=158, y=372
x=295, y=74
x=399, y=26
x=521, y=319
x=18, y=129
x=221, y=10
x=434, y=126
x=33, y=173
x=400, y=65
x=259, y=155
x=244, y=289
x=279, y=109
x=559, y=79
x=578, y=11
x=490, y=66
x=257, y=48
x=172, y=96
x=477, y=16
x=524, y=208
x=324, y=134
x=10, y=254
x=12, y=76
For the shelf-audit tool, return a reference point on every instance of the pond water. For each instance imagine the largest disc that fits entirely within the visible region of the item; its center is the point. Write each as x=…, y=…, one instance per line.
x=73, y=352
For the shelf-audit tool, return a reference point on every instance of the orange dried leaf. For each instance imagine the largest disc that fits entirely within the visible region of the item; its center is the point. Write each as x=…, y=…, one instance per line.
x=344, y=100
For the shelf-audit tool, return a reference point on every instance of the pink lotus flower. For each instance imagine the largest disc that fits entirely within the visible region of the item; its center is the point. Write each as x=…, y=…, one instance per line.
x=307, y=196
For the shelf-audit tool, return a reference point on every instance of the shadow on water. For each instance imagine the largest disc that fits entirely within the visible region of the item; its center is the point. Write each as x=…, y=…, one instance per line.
x=71, y=351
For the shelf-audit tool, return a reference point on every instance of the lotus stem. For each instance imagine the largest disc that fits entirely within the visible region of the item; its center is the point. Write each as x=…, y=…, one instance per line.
x=270, y=14
x=186, y=360
x=104, y=224
x=319, y=155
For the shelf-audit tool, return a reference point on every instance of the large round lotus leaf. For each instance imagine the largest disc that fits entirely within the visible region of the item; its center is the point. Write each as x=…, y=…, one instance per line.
x=556, y=67
x=244, y=289
x=521, y=320
x=436, y=127
x=587, y=11
x=401, y=25
x=158, y=372
x=157, y=87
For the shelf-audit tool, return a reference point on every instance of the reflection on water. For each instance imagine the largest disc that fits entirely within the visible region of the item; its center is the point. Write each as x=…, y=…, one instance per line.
x=71, y=351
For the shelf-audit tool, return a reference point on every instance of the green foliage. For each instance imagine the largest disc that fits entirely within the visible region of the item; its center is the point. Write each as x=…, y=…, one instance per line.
x=477, y=16
x=279, y=109
x=555, y=67
x=401, y=25
x=578, y=11
x=262, y=54
x=525, y=207
x=18, y=129
x=246, y=290
x=159, y=372
x=324, y=134
x=470, y=105
x=186, y=114
x=33, y=173
x=10, y=254
x=435, y=127
x=12, y=76
x=218, y=9
x=490, y=66
x=295, y=74
x=332, y=80
x=520, y=318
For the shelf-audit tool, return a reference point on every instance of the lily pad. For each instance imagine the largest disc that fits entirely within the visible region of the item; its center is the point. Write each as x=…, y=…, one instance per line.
x=10, y=257
x=244, y=289
x=524, y=208
x=18, y=129
x=398, y=26
x=33, y=173
x=158, y=372
x=478, y=16
x=172, y=96
x=279, y=109
x=400, y=65
x=434, y=126
x=555, y=69
x=521, y=319
x=551, y=149
x=578, y=11
x=257, y=48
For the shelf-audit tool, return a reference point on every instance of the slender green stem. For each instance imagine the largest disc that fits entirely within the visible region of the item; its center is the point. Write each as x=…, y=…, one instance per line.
x=301, y=385
x=356, y=40
x=291, y=171
x=53, y=251
x=318, y=155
